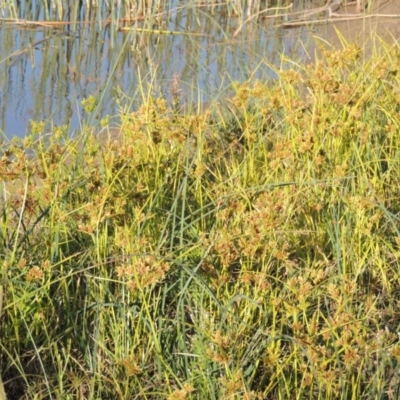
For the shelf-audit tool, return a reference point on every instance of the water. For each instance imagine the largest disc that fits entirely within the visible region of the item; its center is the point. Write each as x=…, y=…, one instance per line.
x=46, y=72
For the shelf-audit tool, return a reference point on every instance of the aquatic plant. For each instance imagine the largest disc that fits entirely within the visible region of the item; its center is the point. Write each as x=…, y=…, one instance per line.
x=247, y=251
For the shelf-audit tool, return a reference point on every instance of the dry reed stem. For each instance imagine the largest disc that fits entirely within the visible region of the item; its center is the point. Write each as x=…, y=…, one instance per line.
x=334, y=16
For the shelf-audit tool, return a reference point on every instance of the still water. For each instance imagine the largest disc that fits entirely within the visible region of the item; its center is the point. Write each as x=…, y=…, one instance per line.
x=46, y=71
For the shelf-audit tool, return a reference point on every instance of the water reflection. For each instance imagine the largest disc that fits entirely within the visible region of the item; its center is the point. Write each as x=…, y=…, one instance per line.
x=46, y=72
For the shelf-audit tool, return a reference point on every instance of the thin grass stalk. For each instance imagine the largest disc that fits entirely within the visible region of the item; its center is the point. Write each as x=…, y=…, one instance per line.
x=39, y=358
x=2, y=391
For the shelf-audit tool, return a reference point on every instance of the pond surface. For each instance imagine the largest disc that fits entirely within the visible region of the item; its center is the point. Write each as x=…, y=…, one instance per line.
x=46, y=70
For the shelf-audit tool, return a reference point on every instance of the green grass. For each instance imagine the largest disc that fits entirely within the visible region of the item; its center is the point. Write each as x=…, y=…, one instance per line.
x=248, y=252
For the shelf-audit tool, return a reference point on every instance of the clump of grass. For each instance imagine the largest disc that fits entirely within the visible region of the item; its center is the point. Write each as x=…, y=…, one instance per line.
x=244, y=254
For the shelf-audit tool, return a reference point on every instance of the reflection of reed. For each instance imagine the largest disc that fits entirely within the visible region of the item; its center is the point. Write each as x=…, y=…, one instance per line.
x=138, y=10
x=337, y=11
x=92, y=58
x=29, y=47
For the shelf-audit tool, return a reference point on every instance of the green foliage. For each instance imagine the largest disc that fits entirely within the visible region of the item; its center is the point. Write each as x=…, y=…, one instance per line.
x=249, y=253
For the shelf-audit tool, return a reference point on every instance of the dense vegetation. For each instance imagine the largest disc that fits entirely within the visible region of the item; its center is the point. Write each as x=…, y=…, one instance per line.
x=249, y=252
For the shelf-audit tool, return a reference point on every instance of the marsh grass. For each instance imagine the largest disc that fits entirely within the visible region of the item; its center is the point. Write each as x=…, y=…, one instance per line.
x=154, y=11
x=249, y=252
